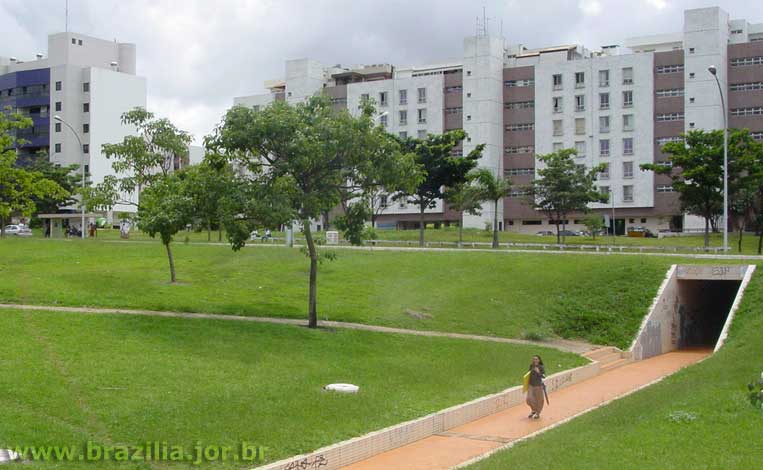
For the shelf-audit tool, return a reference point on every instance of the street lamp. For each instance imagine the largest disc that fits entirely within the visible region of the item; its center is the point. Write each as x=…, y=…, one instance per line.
x=82, y=151
x=714, y=72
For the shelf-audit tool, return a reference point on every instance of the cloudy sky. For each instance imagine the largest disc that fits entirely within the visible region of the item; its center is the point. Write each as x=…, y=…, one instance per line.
x=199, y=54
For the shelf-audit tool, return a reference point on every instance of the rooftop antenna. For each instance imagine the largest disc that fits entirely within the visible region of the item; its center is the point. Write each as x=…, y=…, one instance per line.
x=67, y=16
x=482, y=24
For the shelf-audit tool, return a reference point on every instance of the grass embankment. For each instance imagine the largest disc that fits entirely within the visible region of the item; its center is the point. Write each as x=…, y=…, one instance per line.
x=601, y=299
x=697, y=418
x=69, y=378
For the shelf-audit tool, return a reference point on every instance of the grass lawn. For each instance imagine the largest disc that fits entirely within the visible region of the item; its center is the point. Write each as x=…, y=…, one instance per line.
x=601, y=299
x=68, y=378
x=698, y=418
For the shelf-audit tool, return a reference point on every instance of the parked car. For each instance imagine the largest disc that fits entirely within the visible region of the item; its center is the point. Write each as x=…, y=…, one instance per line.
x=569, y=233
x=640, y=232
x=19, y=230
x=545, y=233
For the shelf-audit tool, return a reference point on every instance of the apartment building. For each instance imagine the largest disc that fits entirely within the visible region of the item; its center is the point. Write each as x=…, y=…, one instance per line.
x=616, y=106
x=88, y=83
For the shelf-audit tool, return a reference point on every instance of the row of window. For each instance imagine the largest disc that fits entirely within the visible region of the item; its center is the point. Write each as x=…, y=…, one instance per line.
x=557, y=80
x=627, y=171
x=454, y=110
x=58, y=106
x=454, y=89
x=520, y=149
x=528, y=82
x=670, y=68
x=605, y=148
x=402, y=97
x=557, y=102
x=528, y=126
x=664, y=140
x=669, y=92
x=85, y=148
x=26, y=91
x=756, y=111
x=519, y=105
x=746, y=86
x=627, y=193
x=604, y=125
x=665, y=117
x=746, y=61
x=518, y=171
x=85, y=86
x=421, y=134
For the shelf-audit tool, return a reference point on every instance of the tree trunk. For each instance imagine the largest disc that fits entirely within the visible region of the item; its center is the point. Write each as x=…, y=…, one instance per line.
x=209, y=230
x=2, y=227
x=220, y=234
x=707, y=233
x=422, y=207
x=495, y=224
x=312, y=314
x=461, y=231
x=558, y=234
x=564, y=228
x=739, y=243
x=172, y=263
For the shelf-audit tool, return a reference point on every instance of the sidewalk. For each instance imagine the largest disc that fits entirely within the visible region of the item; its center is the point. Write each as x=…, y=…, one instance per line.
x=486, y=435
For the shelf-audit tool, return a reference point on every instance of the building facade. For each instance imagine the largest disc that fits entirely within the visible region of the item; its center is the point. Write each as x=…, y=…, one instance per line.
x=88, y=83
x=616, y=106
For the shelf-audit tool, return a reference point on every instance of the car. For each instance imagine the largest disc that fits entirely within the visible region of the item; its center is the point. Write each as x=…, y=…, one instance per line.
x=545, y=233
x=640, y=232
x=19, y=230
x=569, y=233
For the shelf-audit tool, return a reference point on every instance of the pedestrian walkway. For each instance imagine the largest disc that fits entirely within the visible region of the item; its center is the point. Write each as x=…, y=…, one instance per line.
x=480, y=438
x=577, y=347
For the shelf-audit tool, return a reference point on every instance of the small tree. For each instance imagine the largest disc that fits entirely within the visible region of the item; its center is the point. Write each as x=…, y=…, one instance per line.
x=20, y=188
x=594, y=223
x=210, y=185
x=563, y=187
x=492, y=188
x=166, y=208
x=464, y=198
x=68, y=177
x=442, y=170
x=301, y=161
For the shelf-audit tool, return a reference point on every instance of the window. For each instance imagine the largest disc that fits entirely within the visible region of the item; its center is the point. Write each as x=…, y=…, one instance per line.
x=518, y=171
x=74, y=41
x=557, y=104
x=85, y=148
x=603, y=124
x=454, y=110
x=627, y=75
x=58, y=127
x=520, y=149
x=580, y=126
x=628, y=193
x=383, y=201
x=403, y=115
x=364, y=97
x=579, y=79
x=628, y=146
x=604, y=147
x=604, y=173
x=691, y=50
x=557, y=146
x=85, y=107
x=422, y=115
x=746, y=86
x=532, y=222
x=605, y=191
x=757, y=111
x=627, y=99
x=383, y=98
x=557, y=81
x=603, y=78
x=383, y=120
x=558, y=130
x=58, y=86
x=403, y=95
x=85, y=128
x=57, y=148
x=450, y=89
x=527, y=126
x=580, y=148
x=422, y=95
x=520, y=105
x=627, y=169
x=673, y=92
x=529, y=82
x=79, y=42
x=745, y=61
x=664, y=188
x=86, y=87
x=691, y=75
x=403, y=134
x=421, y=134
x=670, y=68
x=58, y=106
x=670, y=117
x=664, y=140
x=580, y=103
x=628, y=122
x=756, y=135
x=603, y=100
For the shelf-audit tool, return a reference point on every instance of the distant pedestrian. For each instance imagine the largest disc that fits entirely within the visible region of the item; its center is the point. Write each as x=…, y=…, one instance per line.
x=535, y=389
x=92, y=230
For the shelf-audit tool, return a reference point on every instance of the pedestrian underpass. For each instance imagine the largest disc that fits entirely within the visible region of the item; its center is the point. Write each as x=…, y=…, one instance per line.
x=694, y=308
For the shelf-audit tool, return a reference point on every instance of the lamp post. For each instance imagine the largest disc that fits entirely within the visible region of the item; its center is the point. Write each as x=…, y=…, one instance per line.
x=82, y=152
x=714, y=72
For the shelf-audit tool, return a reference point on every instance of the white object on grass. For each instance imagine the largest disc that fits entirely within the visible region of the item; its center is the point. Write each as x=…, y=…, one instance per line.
x=342, y=388
x=8, y=456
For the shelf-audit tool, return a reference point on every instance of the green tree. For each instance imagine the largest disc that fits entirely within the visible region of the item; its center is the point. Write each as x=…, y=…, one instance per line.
x=594, y=223
x=300, y=161
x=68, y=177
x=698, y=174
x=442, y=170
x=20, y=188
x=492, y=188
x=563, y=187
x=211, y=185
x=465, y=198
x=166, y=207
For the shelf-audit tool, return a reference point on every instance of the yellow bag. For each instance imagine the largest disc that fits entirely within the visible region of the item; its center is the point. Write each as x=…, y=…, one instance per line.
x=526, y=381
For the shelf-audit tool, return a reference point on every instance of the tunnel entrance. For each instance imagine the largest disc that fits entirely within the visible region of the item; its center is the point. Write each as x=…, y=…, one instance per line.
x=694, y=308
x=703, y=307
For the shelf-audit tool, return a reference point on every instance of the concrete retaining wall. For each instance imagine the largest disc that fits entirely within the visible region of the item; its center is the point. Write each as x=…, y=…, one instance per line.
x=354, y=450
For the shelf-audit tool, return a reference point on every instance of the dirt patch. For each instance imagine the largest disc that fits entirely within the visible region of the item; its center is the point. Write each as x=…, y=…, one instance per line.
x=418, y=315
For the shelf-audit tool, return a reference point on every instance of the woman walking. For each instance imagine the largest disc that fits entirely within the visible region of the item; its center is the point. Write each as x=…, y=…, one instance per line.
x=535, y=388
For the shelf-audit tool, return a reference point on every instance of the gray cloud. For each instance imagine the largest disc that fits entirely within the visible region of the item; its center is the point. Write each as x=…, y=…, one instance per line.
x=198, y=54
